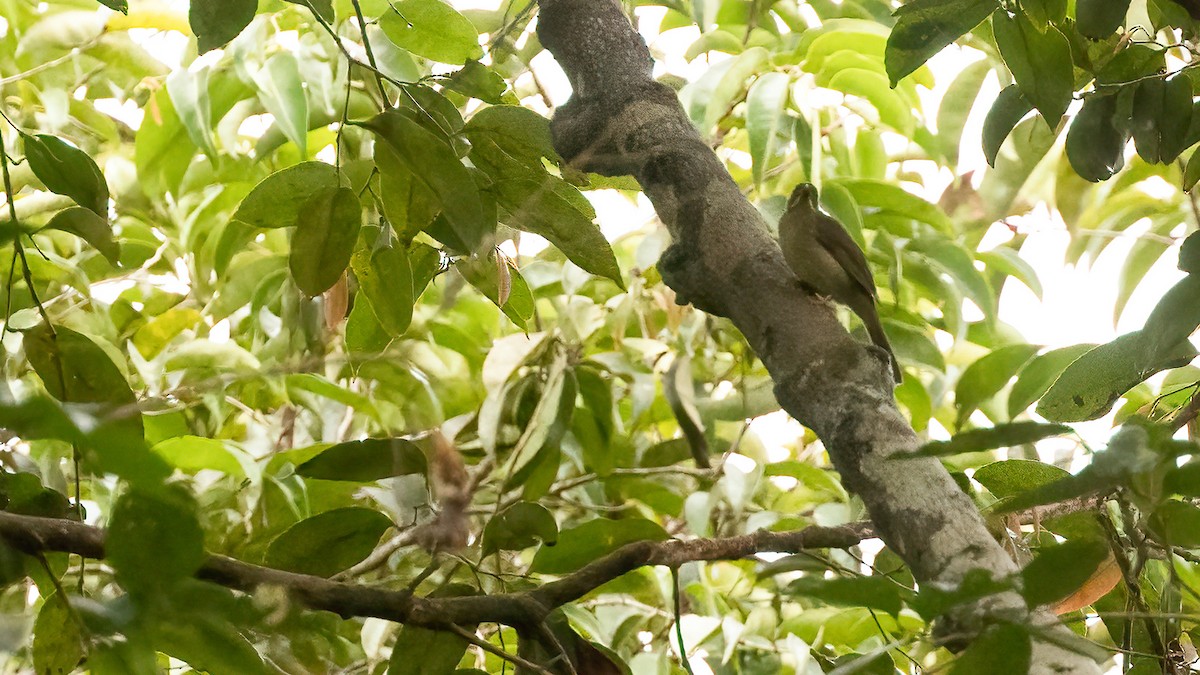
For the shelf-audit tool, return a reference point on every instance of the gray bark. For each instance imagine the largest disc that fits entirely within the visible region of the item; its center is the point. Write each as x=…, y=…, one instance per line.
x=723, y=260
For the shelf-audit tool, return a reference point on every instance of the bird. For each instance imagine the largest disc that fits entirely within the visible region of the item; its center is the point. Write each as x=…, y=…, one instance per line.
x=827, y=260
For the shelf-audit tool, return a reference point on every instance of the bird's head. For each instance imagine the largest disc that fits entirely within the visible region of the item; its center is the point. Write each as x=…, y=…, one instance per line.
x=805, y=194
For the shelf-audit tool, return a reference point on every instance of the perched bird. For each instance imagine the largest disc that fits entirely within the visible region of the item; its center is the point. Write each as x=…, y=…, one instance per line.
x=826, y=259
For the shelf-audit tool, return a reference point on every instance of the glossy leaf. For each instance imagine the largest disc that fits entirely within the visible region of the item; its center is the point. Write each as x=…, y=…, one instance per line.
x=518, y=527
x=876, y=592
x=989, y=374
x=1010, y=107
x=216, y=22
x=1002, y=649
x=1089, y=387
x=1161, y=117
x=478, y=81
x=582, y=544
x=328, y=543
x=166, y=516
x=278, y=200
x=67, y=170
x=999, y=436
x=434, y=163
x=385, y=277
x=1176, y=523
x=366, y=461
x=1096, y=139
x=1058, y=570
x=1039, y=373
x=557, y=211
x=432, y=29
x=326, y=231
x=765, y=118
x=924, y=27
x=1040, y=63
x=194, y=453
x=95, y=230
x=1100, y=18
x=280, y=90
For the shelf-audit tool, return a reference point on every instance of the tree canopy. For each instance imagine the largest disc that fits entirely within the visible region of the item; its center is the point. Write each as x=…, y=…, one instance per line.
x=318, y=358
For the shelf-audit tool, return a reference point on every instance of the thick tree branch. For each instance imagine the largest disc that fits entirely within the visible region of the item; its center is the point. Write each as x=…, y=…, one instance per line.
x=35, y=535
x=620, y=121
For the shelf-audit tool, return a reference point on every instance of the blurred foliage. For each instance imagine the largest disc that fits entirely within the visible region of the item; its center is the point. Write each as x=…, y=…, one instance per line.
x=277, y=304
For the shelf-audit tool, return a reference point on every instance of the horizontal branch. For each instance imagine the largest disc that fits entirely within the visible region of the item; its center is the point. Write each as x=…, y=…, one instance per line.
x=34, y=535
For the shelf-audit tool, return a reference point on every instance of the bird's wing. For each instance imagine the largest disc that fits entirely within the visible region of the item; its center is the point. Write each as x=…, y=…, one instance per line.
x=834, y=237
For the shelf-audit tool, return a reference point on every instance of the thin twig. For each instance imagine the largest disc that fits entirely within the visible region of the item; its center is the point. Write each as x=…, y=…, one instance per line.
x=494, y=650
x=362, y=26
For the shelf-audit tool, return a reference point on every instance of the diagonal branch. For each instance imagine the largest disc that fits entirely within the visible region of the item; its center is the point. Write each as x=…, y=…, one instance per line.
x=723, y=260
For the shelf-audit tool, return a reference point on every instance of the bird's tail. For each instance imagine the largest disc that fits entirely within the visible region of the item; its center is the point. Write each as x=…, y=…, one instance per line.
x=870, y=319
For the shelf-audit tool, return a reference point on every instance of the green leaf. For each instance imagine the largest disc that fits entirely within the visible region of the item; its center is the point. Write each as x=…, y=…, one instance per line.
x=166, y=516
x=985, y=377
x=1011, y=477
x=194, y=453
x=477, y=81
x=326, y=231
x=316, y=384
x=959, y=264
x=1039, y=373
x=123, y=7
x=216, y=22
x=1184, y=480
x=892, y=199
x=155, y=334
x=364, y=334
x=999, y=436
x=876, y=592
x=432, y=29
x=518, y=527
x=189, y=95
x=279, y=198
x=1010, y=107
x=328, y=543
x=1191, y=173
x=366, y=461
x=924, y=27
x=893, y=109
x=410, y=206
x=66, y=170
x=1095, y=141
x=1162, y=114
x=385, y=277
x=1176, y=523
x=489, y=275
x=1001, y=650
x=1007, y=261
x=58, y=642
x=1088, y=387
x=1100, y=18
x=95, y=230
x=1042, y=13
x=434, y=163
x=281, y=91
x=1040, y=63
x=503, y=135
x=765, y=118
x=420, y=651
x=545, y=422
x=74, y=369
x=211, y=357
x=582, y=544
x=1059, y=570
x=555, y=210
x=956, y=107
x=324, y=8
